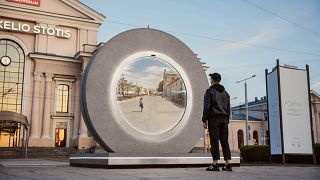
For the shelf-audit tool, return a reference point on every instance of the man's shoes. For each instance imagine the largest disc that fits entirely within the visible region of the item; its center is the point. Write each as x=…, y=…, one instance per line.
x=213, y=167
x=227, y=168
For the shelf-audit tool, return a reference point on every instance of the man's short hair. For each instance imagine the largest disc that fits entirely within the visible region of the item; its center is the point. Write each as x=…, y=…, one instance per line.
x=215, y=76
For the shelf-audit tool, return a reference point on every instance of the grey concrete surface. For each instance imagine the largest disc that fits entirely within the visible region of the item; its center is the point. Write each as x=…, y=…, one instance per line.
x=158, y=115
x=245, y=172
x=123, y=159
x=33, y=162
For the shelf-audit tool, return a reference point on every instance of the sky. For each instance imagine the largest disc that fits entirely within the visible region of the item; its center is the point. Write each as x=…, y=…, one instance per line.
x=237, y=38
x=146, y=72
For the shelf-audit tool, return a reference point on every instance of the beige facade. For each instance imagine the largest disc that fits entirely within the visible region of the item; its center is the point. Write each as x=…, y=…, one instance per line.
x=315, y=108
x=168, y=78
x=57, y=39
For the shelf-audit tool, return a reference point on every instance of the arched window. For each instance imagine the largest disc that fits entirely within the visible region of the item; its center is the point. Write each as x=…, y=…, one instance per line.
x=256, y=137
x=240, y=138
x=12, y=61
x=62, y=98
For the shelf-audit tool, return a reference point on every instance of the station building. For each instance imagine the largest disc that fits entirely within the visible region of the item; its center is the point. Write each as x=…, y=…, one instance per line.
x=44, y=48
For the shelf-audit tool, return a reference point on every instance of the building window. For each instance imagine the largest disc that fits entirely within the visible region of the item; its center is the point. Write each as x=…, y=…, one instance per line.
x=255, y=138
x=12, y=60
x=62, y=98
x=266, y=116
x=240, y=138
x=11, y=76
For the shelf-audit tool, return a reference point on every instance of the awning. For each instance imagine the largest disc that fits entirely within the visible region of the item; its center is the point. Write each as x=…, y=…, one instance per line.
x=15, y=117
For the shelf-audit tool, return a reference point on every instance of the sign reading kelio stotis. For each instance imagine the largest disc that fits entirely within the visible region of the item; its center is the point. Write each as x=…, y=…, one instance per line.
x=36, y=29
x=27, y=2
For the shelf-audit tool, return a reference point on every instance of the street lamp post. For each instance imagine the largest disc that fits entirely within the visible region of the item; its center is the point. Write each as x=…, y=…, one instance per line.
x=246, y=106
x=231, y=108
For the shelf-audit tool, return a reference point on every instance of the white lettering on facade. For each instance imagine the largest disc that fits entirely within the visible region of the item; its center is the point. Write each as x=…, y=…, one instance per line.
x=51, y=31
x=43, y=29
x=28, y=2
x=25, y=27
x=58, y=32
x=36, y=29
x=6, y=25
x=67, y=33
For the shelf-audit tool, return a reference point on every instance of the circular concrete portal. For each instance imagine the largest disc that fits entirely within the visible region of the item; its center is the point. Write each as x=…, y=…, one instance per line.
x=101, y=92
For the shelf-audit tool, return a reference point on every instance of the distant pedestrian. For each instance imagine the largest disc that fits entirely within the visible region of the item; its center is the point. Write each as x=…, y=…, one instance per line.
x=141, y=104
x=216, y=118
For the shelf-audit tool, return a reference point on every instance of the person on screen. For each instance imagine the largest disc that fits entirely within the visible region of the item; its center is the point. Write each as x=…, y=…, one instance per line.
x=216, y=118
x=141, y=104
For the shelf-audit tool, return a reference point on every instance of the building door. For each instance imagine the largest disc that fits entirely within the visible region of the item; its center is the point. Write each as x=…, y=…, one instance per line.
x=256, y=137
x=61, y=135
x=240, y=138
x=9, y=134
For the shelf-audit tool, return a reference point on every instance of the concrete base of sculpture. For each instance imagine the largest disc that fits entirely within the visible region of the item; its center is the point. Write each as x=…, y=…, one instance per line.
x=127, y=160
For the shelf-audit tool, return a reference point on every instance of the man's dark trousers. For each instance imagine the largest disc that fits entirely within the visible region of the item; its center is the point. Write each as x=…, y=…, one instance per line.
x=218, y=130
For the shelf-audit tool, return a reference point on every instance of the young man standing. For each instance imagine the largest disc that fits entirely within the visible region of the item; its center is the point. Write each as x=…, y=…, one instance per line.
x=216, y=118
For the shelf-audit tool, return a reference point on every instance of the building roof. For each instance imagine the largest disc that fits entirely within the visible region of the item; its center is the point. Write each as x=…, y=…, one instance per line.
x=243, y=117
x=253, y=103
x=315, y=93
x=61, y=12
x=173, y=81
x=97, y=13
x=171, y=73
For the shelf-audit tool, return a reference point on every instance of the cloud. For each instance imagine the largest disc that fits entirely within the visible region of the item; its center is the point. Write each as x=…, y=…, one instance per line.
x=147, y=77
x=155, y=70
x=267, y=33
x=147, y=81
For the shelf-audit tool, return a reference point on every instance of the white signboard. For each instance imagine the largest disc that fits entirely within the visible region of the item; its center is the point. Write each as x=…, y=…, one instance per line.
x=274, y=113
x=295, y=111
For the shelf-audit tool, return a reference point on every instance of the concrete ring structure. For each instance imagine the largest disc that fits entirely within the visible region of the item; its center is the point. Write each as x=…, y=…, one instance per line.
x=98, y=97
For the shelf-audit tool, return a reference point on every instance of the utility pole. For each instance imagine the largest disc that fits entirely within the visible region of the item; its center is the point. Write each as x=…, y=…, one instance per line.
x=246, y=106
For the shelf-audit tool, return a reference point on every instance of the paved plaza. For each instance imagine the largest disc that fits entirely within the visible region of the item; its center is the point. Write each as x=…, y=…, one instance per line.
x=159, y=114
x=56, y=170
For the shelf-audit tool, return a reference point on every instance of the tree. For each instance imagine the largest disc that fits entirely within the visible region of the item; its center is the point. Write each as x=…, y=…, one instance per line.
x=122, y=86
x=138, y=90
x=160, y=86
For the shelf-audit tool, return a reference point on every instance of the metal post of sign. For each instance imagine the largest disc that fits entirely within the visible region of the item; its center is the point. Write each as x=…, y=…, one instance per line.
x=310, y=111
x=280, y=110
x=266, y=76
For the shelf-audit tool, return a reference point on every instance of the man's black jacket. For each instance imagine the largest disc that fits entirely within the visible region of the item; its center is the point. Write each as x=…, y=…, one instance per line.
x=216, y=102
